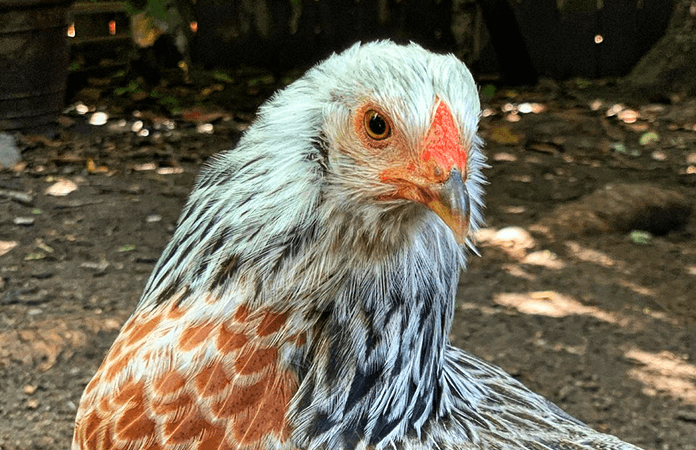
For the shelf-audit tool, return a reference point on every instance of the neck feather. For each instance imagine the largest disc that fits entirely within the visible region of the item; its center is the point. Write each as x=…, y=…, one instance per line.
x=375, y=364
x=374, y=313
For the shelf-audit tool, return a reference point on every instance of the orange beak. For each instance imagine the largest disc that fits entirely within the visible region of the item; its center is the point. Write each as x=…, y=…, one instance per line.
x=437, y=178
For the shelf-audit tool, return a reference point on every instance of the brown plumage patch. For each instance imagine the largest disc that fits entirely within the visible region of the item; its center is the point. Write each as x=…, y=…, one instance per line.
x=194, y=336
x=133, y=424
x=93, y=432
x=117, y=347
x=175, y=311
x=172, y=406
x=186, y=426
x=267, y=415
x=270, y=323
x=230, y=340
x=211, y=379
x=242, y=313
x=299, y=339
x=130, y=392
x=254, y=359
x=142, y=330
x=214, y=438
x=169, y=383
x=243, y=398
x=93, y=383
x=235, y=399
x=117, y=365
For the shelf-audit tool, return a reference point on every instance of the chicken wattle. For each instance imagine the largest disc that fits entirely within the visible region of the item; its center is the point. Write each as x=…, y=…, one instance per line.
x=306, y=297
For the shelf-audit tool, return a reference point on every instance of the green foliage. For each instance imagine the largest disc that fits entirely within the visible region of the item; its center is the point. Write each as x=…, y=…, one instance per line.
x=488, y=91
x=649, y=137
x=582, y=83
x=131, y=88
x=170, y=102
x=222, y=76
x=641, y=237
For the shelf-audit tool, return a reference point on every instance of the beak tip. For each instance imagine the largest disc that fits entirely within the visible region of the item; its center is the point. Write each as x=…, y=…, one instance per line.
x=452, y=205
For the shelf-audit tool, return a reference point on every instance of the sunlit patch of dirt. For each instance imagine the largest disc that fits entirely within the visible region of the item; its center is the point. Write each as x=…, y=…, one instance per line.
x=545, y=259
x=593, y=256
x=664, y=372
x=41, y=343
x=637, y=288
x=517, y=271
x=553, y=304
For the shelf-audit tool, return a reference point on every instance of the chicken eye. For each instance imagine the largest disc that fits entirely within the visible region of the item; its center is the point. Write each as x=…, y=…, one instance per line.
x=376, y=126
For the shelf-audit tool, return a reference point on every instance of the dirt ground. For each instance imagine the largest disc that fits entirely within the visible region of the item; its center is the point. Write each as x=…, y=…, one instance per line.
x=603, y=323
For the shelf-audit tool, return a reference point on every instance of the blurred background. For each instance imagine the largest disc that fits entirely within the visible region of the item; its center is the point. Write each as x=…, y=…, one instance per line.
x=510, y=42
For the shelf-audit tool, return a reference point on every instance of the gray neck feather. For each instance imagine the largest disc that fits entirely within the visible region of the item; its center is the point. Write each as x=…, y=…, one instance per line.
x=374, y=369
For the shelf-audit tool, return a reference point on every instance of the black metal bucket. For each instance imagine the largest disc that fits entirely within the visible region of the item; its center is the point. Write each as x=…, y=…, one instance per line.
x=34, y=57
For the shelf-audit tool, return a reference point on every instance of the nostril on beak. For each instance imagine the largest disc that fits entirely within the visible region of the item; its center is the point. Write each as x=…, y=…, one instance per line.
x=437, y=171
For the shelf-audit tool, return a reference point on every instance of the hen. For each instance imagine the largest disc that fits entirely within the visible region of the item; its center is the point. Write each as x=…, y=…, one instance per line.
x=307, y=294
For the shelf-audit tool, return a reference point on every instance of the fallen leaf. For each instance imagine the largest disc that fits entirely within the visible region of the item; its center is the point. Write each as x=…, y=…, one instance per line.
x=34, y=256
x=7, y=246
x=503, y=135
x=641, y=237
x=659, y=155
x=628, y=115
x=144, y=167
x=93, y=168
x=39, y=139
x=221, y=76
x=101, y=266
x=618, y=147
x=543, y=147
x=99, y=118
x=503, y=156
x=210, y=89
x=40, y=244
x=197, y=114
x=61, y=188
x=21, y=197
x=23, y=221
x=649, y=138
x=169, y=170
x=144, y=29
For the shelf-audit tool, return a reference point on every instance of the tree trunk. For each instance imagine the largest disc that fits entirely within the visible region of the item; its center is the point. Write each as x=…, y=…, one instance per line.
x=670, y=67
